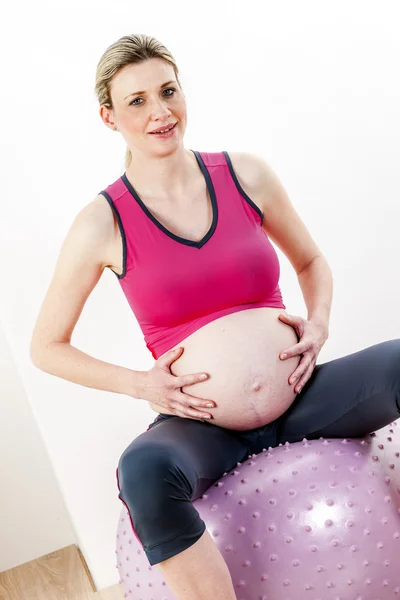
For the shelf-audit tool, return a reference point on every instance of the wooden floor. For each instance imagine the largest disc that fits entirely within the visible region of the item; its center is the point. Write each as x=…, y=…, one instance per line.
x=61, y=575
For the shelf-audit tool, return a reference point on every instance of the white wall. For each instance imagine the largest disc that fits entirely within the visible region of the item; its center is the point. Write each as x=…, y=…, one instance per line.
x=311, y=86
x=33, y=513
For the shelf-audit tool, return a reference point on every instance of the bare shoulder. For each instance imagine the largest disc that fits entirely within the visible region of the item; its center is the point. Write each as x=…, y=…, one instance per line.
x=98, y=220
x=254, y=173
x=99, y=213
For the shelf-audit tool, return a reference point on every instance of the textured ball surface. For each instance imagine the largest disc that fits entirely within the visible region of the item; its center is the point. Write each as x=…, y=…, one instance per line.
x=311, y=520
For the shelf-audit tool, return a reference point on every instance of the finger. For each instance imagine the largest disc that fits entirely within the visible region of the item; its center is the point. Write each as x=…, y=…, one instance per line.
x=190, y=379
x=291, y=318
x=179, y=412
x=188, y=411
x=304, y=379
x=299, y=371
x=170, y=357
x=283, y=316
x=294, y=351
x=188, y=400
x=190, y=414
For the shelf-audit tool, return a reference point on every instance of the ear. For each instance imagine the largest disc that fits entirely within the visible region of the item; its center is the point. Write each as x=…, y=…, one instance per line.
x=106, y=115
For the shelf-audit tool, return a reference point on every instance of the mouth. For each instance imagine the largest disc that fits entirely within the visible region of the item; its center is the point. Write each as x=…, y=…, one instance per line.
x=163, y=131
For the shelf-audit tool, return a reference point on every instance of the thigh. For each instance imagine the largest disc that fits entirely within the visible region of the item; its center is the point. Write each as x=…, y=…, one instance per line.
x=349, y=396
x=200, y=452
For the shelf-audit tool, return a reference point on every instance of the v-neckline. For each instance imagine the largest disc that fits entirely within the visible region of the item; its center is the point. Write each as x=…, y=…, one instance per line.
x=177, y=238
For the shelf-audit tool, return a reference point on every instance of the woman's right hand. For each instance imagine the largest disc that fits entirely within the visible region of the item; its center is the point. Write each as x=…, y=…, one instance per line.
x=163, y=388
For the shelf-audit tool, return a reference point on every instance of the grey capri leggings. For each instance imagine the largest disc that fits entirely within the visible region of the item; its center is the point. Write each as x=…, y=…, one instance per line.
x=176, y=460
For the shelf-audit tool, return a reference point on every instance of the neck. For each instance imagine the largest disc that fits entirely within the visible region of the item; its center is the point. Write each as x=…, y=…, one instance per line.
x=162, y=176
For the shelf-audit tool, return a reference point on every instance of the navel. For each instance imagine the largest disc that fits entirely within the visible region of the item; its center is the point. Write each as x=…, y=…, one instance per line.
x=256, y=386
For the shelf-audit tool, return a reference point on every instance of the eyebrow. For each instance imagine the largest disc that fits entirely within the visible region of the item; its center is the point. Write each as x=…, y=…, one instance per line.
x=144, y=91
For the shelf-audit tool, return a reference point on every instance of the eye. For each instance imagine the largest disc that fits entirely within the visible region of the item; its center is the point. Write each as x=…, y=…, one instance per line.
x=140, y=98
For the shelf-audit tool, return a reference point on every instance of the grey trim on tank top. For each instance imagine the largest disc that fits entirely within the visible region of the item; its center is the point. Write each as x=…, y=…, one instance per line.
x=169, y=233
x=122, y=232
x=239, y=187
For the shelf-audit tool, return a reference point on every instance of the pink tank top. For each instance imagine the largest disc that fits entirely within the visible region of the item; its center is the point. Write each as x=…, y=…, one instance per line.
x=173, y=285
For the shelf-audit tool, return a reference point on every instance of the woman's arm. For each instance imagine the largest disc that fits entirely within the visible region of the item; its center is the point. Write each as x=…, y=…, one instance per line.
x=79, y=267
x=316, y=283
x=68, y=362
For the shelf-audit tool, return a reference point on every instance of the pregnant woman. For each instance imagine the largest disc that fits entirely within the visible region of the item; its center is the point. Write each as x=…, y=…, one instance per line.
x=187, y=234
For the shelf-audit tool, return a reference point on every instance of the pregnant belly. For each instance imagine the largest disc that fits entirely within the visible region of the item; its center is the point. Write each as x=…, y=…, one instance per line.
x=247, y=380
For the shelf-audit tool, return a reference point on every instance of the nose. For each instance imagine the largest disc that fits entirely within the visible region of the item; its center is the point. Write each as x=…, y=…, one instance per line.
x=159, y=110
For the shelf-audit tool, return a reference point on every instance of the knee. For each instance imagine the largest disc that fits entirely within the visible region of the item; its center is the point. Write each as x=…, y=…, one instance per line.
x=145, y=469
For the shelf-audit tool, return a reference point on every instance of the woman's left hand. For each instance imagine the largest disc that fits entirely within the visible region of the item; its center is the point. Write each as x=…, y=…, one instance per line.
x=312, y=337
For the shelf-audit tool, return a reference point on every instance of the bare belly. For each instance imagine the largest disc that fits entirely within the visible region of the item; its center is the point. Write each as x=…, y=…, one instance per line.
x=247, y=380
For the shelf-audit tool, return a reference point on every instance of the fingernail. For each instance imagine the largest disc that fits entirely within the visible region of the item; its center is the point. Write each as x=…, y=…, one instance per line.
x=210, y=405
x=283, y=356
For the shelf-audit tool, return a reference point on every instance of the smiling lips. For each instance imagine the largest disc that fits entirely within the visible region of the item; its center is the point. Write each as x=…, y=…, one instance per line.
x=163, y=129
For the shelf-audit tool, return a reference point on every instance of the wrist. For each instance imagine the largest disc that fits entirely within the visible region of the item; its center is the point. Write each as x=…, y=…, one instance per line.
x=322, y=326
x=131, y=383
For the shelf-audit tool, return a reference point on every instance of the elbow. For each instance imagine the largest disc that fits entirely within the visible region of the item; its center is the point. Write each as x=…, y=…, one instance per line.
x=34, y=355
x=41, y=352
x=37, y=352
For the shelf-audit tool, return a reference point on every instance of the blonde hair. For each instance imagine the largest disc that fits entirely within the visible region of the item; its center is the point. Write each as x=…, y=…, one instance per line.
x=129, y=49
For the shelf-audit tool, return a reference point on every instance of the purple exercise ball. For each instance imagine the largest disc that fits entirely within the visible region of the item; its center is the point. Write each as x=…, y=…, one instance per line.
x=311, y=520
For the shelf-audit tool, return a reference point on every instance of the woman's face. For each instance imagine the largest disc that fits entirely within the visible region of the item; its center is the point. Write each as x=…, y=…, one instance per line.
x=159, y=104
